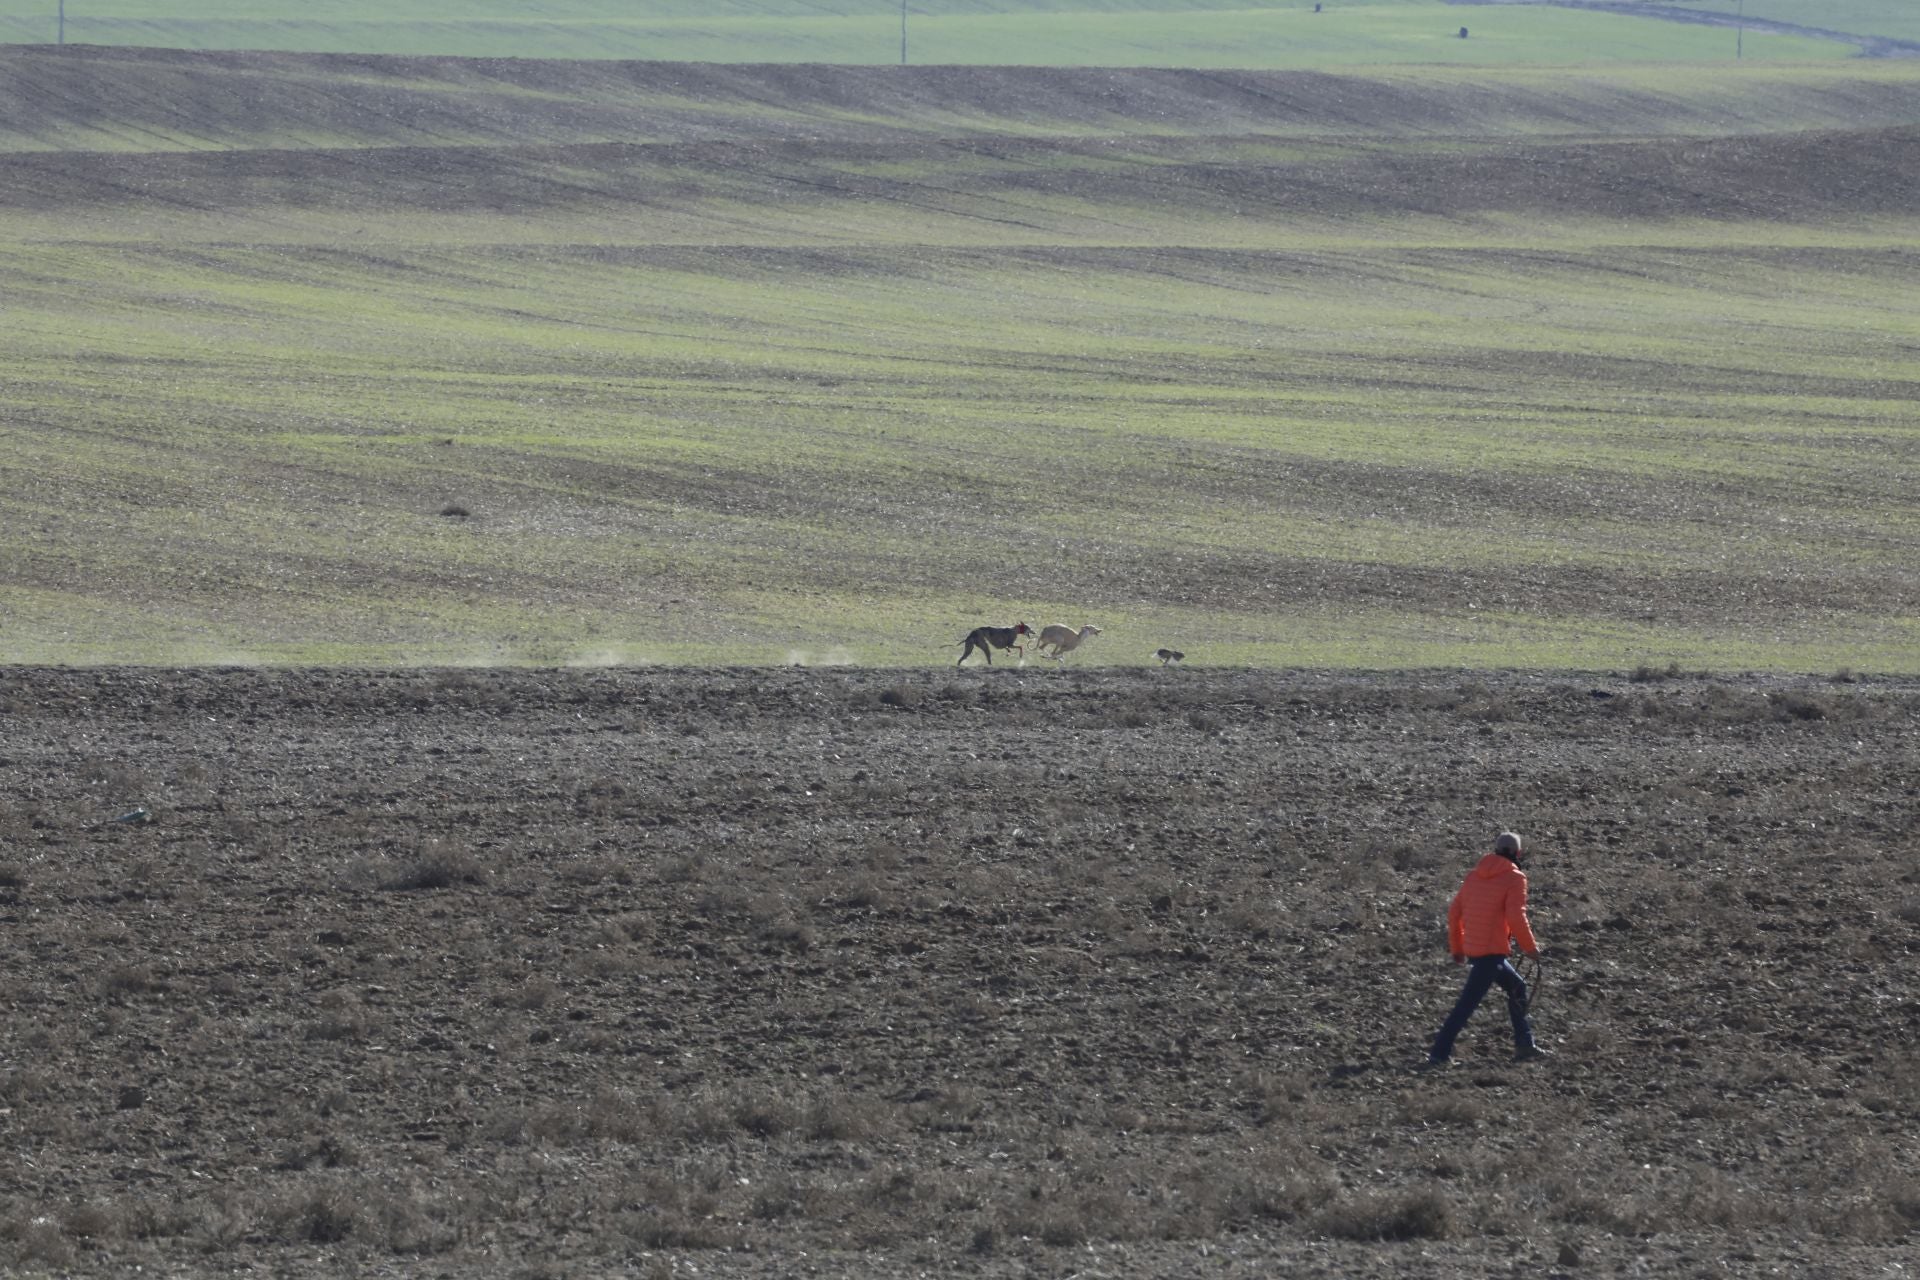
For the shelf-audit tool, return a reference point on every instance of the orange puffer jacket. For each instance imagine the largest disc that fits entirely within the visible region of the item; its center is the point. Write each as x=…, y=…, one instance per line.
x=1490, y=908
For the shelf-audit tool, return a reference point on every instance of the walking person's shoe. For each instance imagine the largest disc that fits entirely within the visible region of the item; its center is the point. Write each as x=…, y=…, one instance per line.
x=1531, y=1053
x=1436, y=1064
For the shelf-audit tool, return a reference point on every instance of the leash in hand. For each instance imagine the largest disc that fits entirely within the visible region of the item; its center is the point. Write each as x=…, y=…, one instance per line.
x=1533, y=973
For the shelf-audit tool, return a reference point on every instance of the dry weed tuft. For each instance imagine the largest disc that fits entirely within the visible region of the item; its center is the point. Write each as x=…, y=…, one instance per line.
x=1415, y=1215
x=1198, y=1201
x=1274, y=1095
x=90, y=1222
x=664, y=1229
x=595, y=871
x=342, y=1017
x=956, y=1110
x=38, y=1242
x=864, y=893
x=323, y=1214
x=143, y=1218
x=534, y=994
x=784, y=931
x=437, y=866
x=328, y=1151
x=1794, y=706
x=844, y=1117
x=130, y=980
x=1065, y=1216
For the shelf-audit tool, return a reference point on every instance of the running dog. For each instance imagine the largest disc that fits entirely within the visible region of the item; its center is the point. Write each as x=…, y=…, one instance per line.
x=987, y=639
x=1168, y=656
x=1063, y=639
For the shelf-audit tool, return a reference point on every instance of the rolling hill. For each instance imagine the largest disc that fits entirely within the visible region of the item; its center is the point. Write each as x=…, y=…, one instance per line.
x=350, y=358
x=1185, y=33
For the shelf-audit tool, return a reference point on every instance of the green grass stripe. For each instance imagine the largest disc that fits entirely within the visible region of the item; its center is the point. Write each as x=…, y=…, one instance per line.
x=1166, y=33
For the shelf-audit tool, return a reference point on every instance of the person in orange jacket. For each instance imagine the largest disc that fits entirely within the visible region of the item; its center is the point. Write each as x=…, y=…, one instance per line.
x=1484, y=920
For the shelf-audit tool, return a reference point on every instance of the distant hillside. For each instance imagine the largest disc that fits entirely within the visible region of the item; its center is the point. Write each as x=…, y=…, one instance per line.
x=1876, y=28
x=364, y=134
x=1184, y=33
x=99, y=99
x=340, y=358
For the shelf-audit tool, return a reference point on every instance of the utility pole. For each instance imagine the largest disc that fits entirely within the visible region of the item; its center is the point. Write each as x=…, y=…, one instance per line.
x=62, y=37
x=1739, y=29
x=903, y=32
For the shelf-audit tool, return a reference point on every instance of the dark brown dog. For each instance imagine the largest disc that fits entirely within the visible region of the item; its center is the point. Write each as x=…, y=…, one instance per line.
x=1168, y=656
x=987, y=639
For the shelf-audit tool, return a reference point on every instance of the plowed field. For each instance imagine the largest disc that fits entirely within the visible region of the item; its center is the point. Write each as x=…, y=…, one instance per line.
x=1010, y=972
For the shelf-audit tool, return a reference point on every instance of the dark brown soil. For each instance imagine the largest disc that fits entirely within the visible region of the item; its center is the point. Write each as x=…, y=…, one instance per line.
x=1796, y=178
x=449, y=153
x=168, y=99
x=1004, y=972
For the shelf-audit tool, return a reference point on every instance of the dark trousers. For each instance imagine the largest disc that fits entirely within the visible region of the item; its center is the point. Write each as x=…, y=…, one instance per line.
x=1483, y=973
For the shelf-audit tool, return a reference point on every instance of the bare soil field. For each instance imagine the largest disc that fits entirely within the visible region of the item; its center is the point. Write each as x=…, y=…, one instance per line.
x=981, y=972
x=154, y=131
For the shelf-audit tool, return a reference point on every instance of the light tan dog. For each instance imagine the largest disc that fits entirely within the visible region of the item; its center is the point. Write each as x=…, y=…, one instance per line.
x=1063, y=639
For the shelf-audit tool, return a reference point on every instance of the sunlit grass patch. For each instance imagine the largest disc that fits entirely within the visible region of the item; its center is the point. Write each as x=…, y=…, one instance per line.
x=1892, y=18
x=729, y=464
x=845, y=398
x=1153, y=33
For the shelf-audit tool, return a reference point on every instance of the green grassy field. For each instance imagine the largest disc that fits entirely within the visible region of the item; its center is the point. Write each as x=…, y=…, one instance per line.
x=837, y=391
x=1895, y=19
x=1187, y=33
